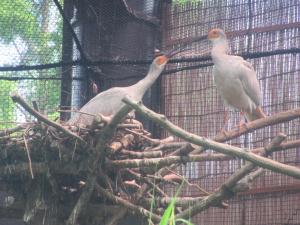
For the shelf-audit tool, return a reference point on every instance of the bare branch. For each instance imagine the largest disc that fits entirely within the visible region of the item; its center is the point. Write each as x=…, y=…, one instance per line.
x=104, y=137
x=141, y=155
x=258, y=124
x=219, y=147
x=160, y=162
x=227, y=189
x=180, y=202
x=17, y=98
x=255, y=125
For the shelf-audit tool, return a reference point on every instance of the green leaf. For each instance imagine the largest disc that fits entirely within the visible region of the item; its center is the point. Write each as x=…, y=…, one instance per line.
x=168, y=212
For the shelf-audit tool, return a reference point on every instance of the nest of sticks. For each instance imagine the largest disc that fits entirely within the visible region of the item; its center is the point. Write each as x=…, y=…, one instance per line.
x=101, y=173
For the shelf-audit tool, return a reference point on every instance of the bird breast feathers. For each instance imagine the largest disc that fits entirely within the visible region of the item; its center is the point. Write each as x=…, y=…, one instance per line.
x=233, y=66
x=234, y=72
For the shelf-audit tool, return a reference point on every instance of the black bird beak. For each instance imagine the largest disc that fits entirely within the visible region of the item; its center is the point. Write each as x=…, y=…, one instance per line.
x=169, y=54
x=202, y=38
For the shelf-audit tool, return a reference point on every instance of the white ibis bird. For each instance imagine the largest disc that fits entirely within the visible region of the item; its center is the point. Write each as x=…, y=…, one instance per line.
x=109, y=102
x=235, y=78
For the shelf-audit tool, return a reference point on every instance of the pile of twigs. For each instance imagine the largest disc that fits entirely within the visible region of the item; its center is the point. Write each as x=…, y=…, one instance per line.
x=117, y=164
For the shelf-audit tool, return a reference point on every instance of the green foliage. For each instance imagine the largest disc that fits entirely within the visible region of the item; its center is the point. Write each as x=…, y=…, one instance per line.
x=7, y=108
x=17, y=12
x=182, y=2
x=168, y=217
x=37, y=25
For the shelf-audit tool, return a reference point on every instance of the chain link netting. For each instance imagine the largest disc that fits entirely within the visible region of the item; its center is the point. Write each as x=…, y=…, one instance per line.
x=31, y=34
x=191, y=101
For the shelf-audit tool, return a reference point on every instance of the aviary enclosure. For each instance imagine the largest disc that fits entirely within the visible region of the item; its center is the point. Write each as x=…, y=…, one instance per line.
x=56, y=55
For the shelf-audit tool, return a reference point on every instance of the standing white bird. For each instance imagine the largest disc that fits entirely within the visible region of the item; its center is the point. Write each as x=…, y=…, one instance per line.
x=109, y=102
x=235, y=78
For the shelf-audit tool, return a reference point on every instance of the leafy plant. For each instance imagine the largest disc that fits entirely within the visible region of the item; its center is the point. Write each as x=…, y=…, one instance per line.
x=168, y=217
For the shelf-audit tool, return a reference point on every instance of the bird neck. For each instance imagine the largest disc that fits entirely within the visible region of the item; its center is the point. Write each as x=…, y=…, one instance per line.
x=143, y=85
x=219, y=50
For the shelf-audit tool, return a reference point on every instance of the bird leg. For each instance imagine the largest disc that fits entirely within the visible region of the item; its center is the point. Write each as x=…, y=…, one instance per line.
x=225, y=122
x=225, y=119
x=242, y=121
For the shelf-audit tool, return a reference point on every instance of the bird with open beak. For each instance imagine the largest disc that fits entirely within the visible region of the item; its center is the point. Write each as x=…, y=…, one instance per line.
x=109, y=102
x=235, y=78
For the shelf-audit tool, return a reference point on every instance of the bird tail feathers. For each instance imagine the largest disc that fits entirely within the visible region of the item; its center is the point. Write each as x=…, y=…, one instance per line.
x=256, y=114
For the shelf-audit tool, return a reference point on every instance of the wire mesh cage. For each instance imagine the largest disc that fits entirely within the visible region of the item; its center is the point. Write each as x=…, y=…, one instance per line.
x=30, y=35
x=41, y=60
x=191, y=101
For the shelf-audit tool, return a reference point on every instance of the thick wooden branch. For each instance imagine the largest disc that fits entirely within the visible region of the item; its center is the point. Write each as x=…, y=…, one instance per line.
x=167, y=161
x=165, y=201
x=247, y=128
x=17, y=98
x=258, y=124
x=168, y=146
x=141, y=155
x=124, y=142
x=227, y=189
x=219, y=147
x=245, y=183
x=180, y=202
x=255, y=125
x=104, y=137
x=154, y=162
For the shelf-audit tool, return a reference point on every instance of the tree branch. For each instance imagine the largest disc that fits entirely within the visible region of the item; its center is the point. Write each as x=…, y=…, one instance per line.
x=258, y=124
x=167, y=161
x=17, y=98
x=227, y=189
x=255, y=125
x=219, y=147
x=141, y=155
x=104, y=137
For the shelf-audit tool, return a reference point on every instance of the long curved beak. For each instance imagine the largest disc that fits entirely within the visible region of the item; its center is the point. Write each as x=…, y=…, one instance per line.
x=175, y=51
x=184, y=46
